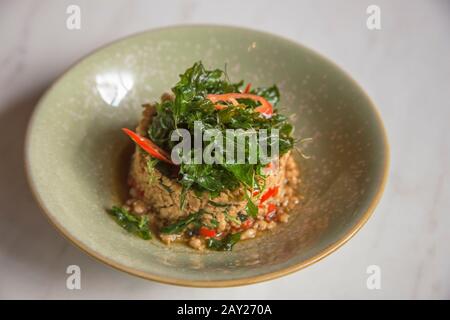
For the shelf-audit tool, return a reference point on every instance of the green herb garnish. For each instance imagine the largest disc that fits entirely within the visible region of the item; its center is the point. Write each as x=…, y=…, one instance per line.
x=251, y=208
x=226, y=244
x=232, y=219
x=182, y=224
x=214, y=223
x=191, y=105
x=131, y=223
x=151, y=170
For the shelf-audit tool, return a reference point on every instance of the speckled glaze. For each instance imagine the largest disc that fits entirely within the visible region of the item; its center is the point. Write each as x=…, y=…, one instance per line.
x=74, y=144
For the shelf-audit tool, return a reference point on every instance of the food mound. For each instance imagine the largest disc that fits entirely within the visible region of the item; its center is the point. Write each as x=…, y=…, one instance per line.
x=209, y=205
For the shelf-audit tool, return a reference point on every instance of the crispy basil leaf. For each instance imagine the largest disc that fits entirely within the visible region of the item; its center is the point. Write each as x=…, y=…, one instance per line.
x=251, y=208
x=225, y=244
x=182, y=224
x=191, y=105
x=137, y=225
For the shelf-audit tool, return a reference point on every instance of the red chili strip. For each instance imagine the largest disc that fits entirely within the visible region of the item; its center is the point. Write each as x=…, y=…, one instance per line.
x=149, y=146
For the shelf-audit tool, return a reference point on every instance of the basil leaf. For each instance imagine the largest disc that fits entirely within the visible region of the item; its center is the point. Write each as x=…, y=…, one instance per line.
x=243, y=172
x=137, y=225
x=251, y=208
x=226, y=244
x=181, y=225
x=271, y=94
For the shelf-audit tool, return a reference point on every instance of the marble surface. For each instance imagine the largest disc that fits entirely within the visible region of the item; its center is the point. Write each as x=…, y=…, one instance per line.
x=405, y=68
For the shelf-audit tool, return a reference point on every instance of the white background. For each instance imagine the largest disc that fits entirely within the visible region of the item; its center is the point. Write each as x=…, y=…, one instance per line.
x=405, y=68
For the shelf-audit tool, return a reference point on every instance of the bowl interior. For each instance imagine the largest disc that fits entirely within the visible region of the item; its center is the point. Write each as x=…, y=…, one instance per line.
x=76, y=150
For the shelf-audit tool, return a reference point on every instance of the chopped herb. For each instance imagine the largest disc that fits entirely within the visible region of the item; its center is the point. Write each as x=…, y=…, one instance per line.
x=214, y=244
x=226, y=244
x=151, y=170
x=214, y=222
x=131, y=223
x=251, y=208
x=231, y=240
x=181, y=225
x=271, y=94
x=232, y=219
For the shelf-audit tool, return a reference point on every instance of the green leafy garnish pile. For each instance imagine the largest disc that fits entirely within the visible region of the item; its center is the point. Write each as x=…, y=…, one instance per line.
x=191, y=104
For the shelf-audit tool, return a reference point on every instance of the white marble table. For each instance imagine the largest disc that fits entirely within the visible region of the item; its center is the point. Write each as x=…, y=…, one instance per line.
x=405, y=67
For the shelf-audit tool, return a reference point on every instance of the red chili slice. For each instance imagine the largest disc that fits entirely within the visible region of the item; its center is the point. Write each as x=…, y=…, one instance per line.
x=272, y=192
x=265, y=108
x=208, y=233
x=247, y=224
x=149, y=146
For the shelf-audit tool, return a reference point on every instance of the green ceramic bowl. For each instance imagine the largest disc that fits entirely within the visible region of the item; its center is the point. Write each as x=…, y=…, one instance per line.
x=75, y=151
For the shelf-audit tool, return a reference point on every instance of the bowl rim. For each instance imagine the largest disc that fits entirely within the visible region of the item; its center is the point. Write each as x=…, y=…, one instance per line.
x=208, y=283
